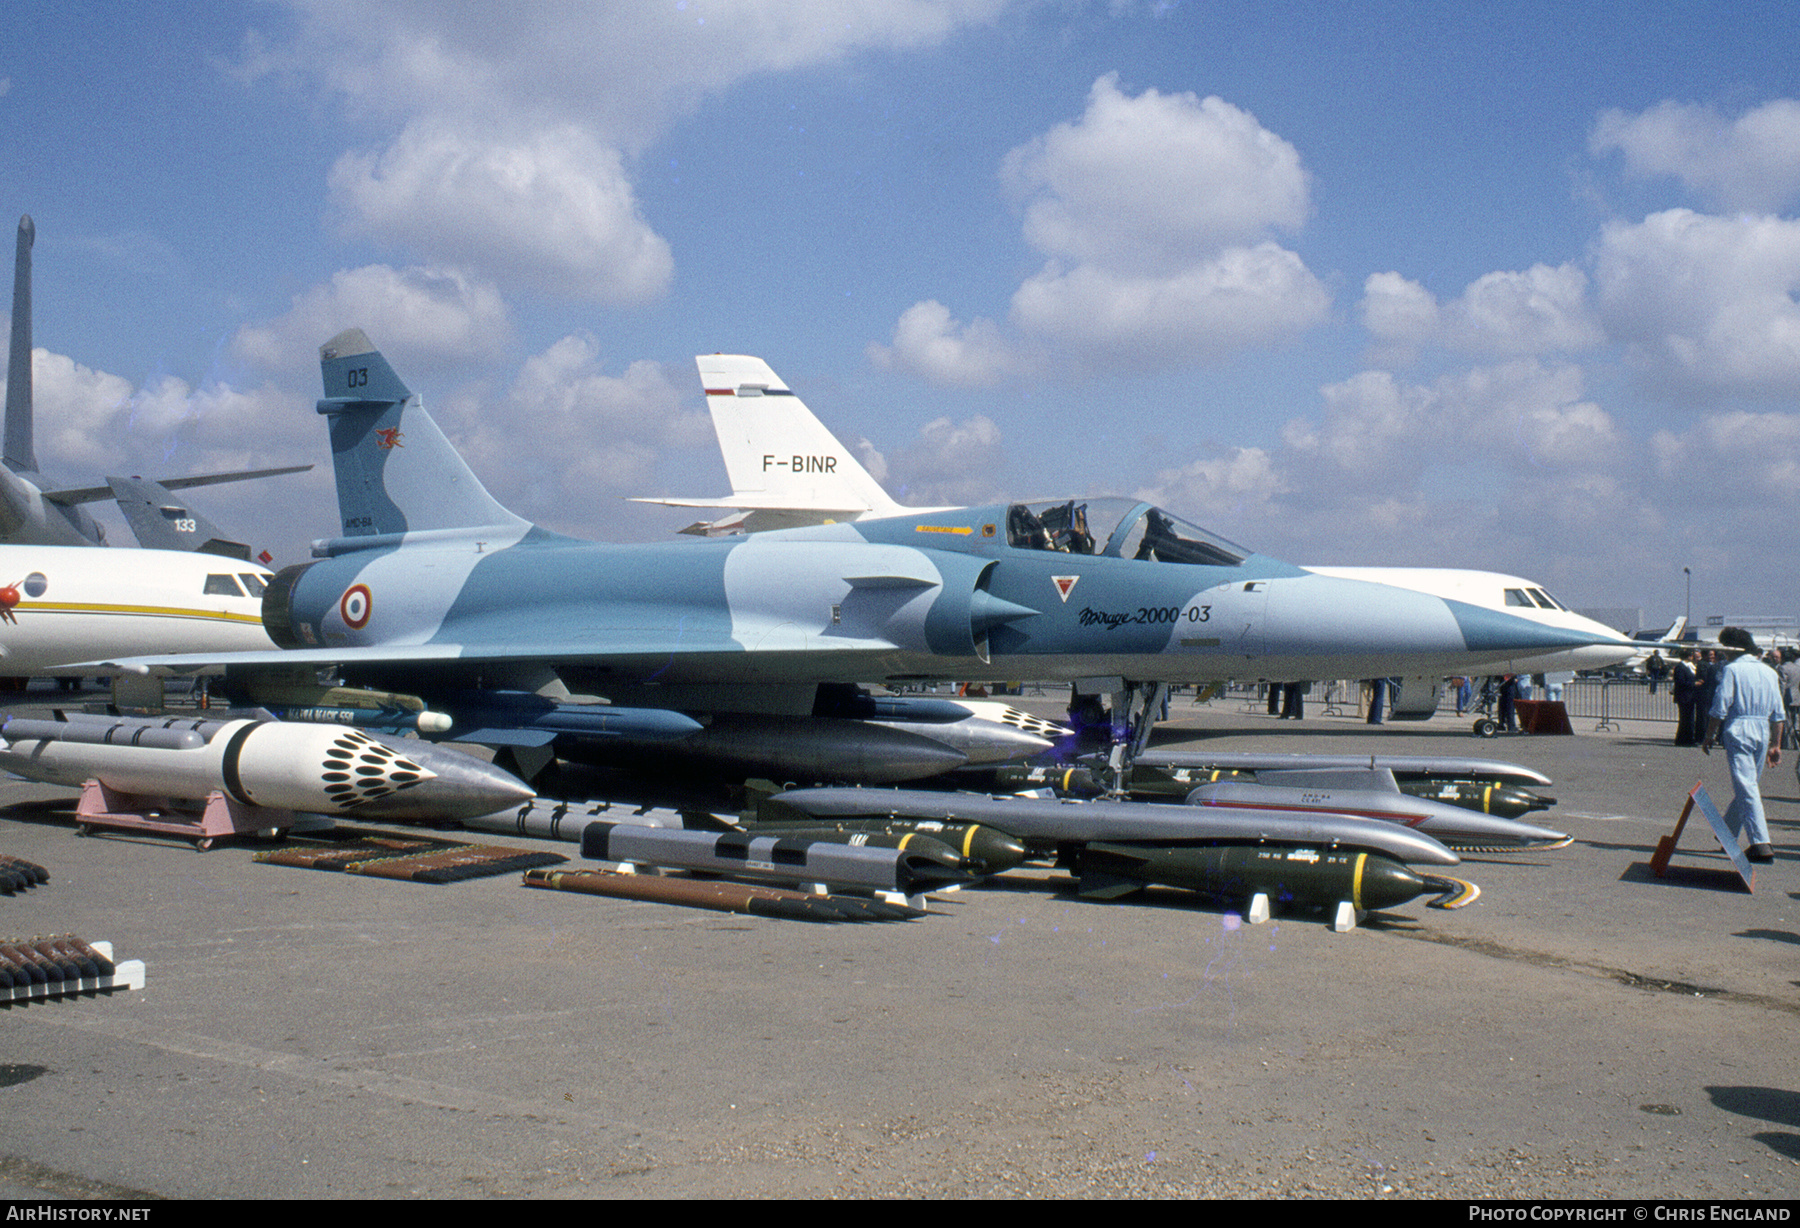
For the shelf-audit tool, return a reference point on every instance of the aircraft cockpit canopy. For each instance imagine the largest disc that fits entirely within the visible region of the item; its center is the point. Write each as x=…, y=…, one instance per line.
x=1526, y=596
x=1119, y=528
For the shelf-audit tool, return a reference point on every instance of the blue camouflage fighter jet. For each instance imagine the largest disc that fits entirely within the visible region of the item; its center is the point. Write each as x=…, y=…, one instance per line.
x=435, y=588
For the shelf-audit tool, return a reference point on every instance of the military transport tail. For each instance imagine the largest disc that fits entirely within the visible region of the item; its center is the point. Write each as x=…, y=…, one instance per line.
x=785, y=468
x=396, y=473
x=31, y=513
x=19, y=456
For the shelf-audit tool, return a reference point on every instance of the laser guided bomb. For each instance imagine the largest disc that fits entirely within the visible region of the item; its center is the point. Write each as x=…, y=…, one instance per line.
x=1320, y=877
x=321, y=769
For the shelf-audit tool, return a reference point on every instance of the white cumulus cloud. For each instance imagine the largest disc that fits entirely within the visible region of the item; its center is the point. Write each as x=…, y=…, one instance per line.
x=413, y=315
x=567, y=438
x=1241, y=297
x=946, y=351
x=1537, y=311
x=1140, y=182
x=552, y=210
x=1707, y=301
x=1153, y=211
x=1751, y=162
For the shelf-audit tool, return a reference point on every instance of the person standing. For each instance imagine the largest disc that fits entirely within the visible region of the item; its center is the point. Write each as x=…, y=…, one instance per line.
x=1684, y=686
x=1707, y=668
x=1747, y=716
x=1509, y=694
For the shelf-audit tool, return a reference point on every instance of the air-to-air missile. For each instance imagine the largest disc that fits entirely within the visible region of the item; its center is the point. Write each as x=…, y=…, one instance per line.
x=985, y=731
x=924, y=865
x=1374, y=795
x=290, y=699
x=790, y=747
x=1056, y=823
x=1151, y=783
x=302, y=767
x=1404, y=767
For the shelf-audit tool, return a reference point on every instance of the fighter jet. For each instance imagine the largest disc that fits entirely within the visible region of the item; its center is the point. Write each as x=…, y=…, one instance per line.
x=34, y=512
x=787, y=469
x=434, y=586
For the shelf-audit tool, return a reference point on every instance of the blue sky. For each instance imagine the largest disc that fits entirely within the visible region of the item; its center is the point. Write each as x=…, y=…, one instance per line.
x=1508, y=287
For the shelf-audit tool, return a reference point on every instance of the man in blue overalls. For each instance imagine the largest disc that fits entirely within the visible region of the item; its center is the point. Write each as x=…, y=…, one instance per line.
x=1747, y=715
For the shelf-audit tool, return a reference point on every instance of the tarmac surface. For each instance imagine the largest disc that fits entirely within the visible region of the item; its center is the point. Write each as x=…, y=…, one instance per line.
x=1583, y=1030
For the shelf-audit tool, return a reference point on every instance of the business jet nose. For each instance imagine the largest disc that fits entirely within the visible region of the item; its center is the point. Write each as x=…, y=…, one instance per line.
x=1485, y=630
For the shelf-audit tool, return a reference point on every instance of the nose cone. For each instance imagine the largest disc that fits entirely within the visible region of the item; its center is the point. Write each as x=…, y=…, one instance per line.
x=982, y=741
x=1327, y=626
x=458, y=786
x=1488, y=631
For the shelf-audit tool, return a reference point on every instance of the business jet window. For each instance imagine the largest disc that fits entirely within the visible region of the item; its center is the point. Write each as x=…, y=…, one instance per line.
x=253, y=583
x=222, y=586
x=1545, y=600
x=1516, y=596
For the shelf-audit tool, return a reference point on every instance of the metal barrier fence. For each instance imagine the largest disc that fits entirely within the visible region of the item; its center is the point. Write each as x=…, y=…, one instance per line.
x=1602, y=700
x=1619, y=699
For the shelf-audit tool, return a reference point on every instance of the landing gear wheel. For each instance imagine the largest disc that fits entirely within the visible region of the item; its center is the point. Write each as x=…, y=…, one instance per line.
x=1486, y=727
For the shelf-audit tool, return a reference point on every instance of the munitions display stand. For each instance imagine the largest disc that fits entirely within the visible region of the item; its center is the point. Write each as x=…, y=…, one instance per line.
x=221, y=816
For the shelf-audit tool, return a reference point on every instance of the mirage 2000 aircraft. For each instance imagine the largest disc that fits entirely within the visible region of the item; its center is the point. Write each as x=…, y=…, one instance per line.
x=435, y=589
x=787, y=469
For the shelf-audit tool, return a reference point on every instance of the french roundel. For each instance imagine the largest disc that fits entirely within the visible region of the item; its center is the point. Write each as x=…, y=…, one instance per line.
x=355, y=606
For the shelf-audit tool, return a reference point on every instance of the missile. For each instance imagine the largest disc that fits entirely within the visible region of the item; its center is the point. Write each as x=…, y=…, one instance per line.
x=522, y=718
x=1309, y=876
x=984, y=731
x=979, y=739
x=1485, y=796
x=1054, y=822
x=389, y=720
x=1454, y=826
x=314, y=768
x=290, y=700
x=1401, y=765
x=910, y=871
x=980, y=850
x=984, y=850
x=786, y=747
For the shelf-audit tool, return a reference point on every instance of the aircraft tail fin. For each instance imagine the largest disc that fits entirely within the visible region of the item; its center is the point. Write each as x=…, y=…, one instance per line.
x=18, y=452
x=161, y=521
x=778, y=455
x=396, y=472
